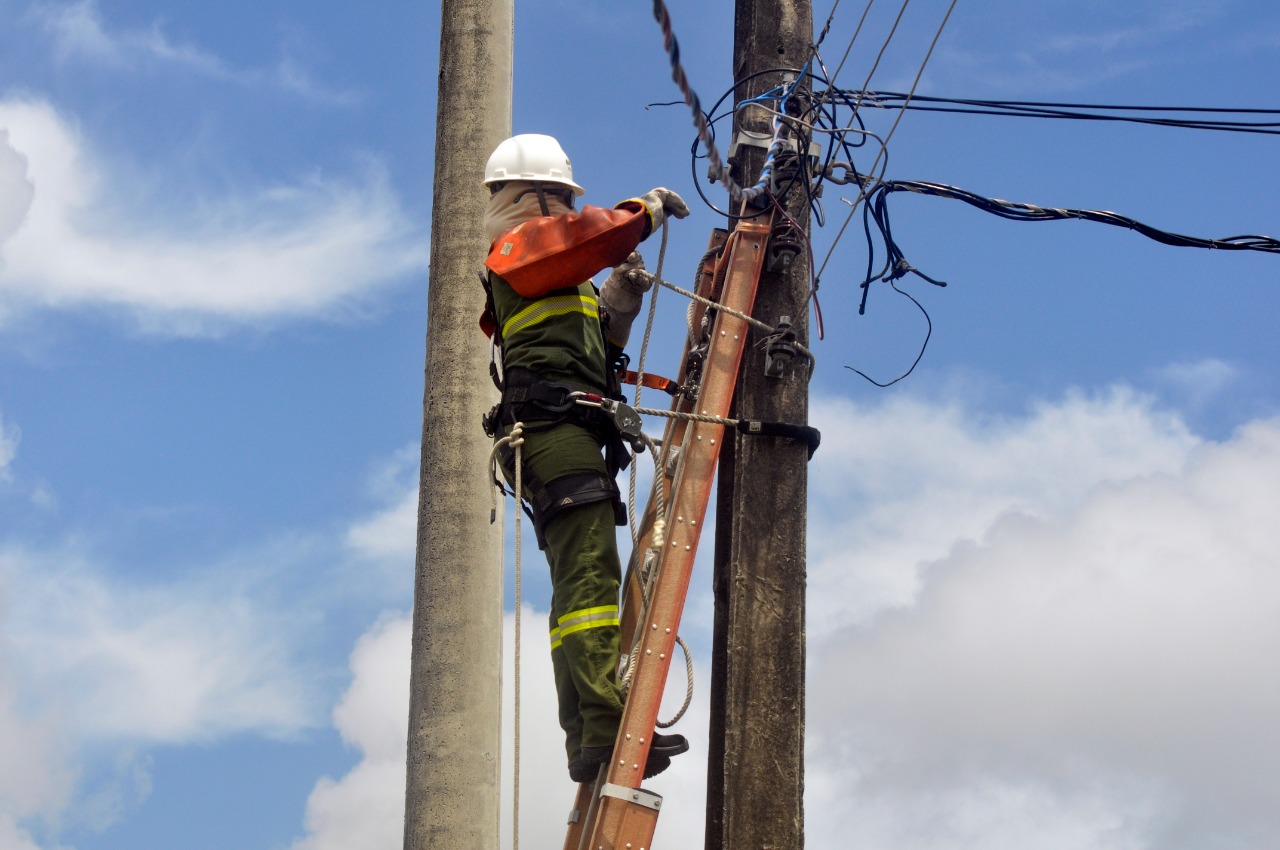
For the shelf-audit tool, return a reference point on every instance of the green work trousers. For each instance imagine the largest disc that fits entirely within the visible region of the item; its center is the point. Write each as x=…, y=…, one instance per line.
x=582, y=552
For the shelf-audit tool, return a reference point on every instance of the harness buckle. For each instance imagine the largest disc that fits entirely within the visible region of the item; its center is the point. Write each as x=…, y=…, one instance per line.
x=489, y=421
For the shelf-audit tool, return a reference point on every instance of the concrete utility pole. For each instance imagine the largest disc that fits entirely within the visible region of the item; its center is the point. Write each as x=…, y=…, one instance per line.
x=755, y=781
x=451, y=793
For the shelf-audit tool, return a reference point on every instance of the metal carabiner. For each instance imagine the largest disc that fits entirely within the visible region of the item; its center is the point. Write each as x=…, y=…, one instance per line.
x=622, y=415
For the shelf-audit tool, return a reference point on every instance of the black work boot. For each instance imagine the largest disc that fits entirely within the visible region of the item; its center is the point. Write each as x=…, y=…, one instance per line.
x=585, y=767
x=668, y=745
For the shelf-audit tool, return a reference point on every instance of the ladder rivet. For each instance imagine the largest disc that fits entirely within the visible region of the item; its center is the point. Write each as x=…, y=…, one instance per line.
x=668, y=631
x=713, y=442
x=642, y=740
x=655, y=627
x=635, y=767
x=629, y=738
x=648, y=652
x=687, y=548
x=662, y=655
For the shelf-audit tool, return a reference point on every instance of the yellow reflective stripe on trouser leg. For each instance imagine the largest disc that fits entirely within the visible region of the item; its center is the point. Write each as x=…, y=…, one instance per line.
x=588, y=618
x=546, y=308
x=555, y=638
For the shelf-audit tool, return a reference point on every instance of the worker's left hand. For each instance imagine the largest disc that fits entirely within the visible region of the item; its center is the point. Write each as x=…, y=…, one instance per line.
x=631, y=276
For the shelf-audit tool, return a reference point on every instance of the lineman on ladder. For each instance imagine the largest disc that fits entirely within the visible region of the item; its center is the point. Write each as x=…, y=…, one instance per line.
x=554, y=334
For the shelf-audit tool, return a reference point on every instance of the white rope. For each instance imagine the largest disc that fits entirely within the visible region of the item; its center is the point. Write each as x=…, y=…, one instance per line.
x=690, y=417
x=515, y=440
x=644, y=353
x=688, y=691
x=729, y=311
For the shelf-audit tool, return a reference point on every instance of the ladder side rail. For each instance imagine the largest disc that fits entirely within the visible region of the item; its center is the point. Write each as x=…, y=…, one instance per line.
x=633, y=593
x=636, y=585
x=620, y=821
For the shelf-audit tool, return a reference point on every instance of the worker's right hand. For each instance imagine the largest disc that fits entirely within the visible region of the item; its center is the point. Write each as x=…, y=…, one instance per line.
x=661, y=203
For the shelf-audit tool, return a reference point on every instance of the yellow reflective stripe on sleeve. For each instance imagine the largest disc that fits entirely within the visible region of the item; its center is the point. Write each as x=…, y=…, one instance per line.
x=547, y=308
x=588, y=618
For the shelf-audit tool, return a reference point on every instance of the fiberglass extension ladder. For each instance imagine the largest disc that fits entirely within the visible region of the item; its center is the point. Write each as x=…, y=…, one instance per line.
x=614, y=812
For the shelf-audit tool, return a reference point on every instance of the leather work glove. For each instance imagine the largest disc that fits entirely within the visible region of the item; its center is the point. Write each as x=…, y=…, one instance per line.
x=621, y=295
x=661, y=203
x=631, y=276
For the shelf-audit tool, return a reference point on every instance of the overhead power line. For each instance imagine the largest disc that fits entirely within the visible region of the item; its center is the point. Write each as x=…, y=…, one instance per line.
x=1189, y=117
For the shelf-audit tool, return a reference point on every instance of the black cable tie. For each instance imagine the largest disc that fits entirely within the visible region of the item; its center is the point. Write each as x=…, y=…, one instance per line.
x=806, y=434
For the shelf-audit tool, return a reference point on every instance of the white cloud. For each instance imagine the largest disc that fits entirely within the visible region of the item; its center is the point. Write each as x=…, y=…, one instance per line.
x=390, y=534
x=1067, y=642
x=16, y=189
x=901, y=483
x=12, y=837
x=8, y=447
x=316, y=247
x=365, y=808
x=894, y=512
x=1103, y=672
x=181, y=663
x=1201, y=380
x=94, y=672
x=78, y=32
x=35, y=778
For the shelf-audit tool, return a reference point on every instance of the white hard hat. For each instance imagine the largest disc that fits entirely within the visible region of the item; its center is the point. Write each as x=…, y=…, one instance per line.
x=531, y=156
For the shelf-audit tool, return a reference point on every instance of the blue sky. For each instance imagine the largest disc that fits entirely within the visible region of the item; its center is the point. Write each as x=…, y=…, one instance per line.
x=1043, y=591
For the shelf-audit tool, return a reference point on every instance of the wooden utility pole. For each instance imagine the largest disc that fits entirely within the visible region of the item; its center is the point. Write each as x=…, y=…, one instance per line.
x=451, y=793
x=755, y=782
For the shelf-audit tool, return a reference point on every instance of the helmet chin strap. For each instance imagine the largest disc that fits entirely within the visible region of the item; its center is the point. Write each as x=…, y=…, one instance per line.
x=542, y=197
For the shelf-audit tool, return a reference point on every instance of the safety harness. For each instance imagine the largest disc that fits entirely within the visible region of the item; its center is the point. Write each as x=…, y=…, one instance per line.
x=541, y=405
